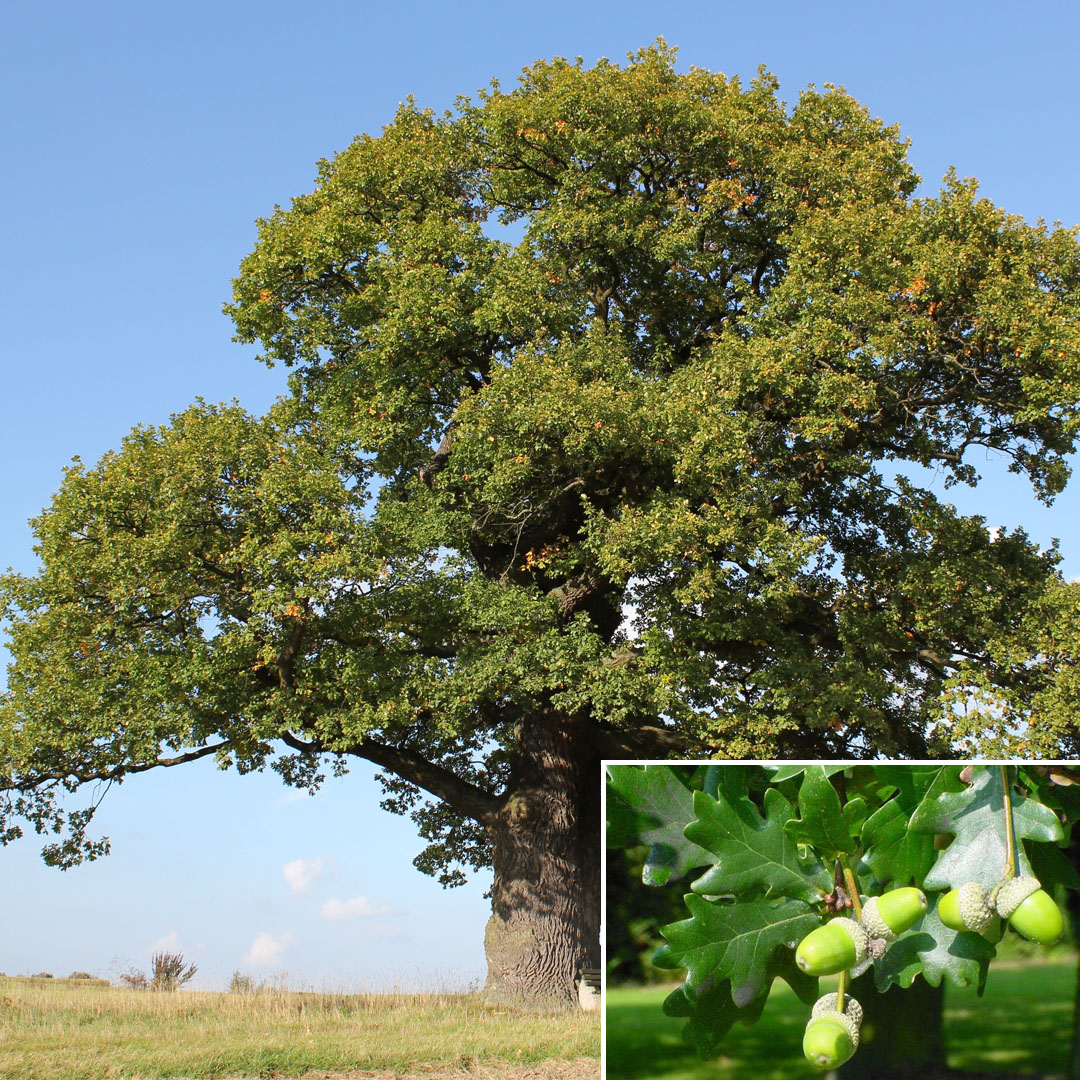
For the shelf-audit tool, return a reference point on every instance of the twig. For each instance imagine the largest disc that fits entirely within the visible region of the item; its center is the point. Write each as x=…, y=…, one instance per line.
x=1010, y=832
x=853, y=892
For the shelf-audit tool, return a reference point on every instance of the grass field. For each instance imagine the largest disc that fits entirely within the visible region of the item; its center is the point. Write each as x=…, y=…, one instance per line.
x=1020, y=1025
x=108, y=1033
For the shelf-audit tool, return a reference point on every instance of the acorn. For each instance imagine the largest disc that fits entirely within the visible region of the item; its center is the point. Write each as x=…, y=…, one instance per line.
x=889, y=915
x=827, y=1041
x=836, y=946
x=831, y=1037
x=1030, y=910
x=967, y=908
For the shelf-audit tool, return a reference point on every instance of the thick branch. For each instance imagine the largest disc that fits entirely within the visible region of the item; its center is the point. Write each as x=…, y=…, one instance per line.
x=646, y=741
x=573, y=594
x=439, y=461
x=443, y=783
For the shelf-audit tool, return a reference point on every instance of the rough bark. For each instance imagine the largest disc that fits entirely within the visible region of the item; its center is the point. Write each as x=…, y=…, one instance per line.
x=1072, y=907
x=902, y=1033
x=545, y=918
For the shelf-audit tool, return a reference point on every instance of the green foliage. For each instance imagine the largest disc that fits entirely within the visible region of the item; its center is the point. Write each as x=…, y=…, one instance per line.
x=733, y=943
x=767, y=887
x=649, y=803
x=755, y=851
x=655, y=468
x=892, y=851
x=973, y=817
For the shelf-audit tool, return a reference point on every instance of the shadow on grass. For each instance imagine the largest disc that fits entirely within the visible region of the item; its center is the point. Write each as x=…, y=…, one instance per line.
x=1019, y=1026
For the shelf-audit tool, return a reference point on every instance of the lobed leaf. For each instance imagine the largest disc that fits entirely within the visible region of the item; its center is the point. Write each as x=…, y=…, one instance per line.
x=735, y=942
x=651, y=806
x=752, y=852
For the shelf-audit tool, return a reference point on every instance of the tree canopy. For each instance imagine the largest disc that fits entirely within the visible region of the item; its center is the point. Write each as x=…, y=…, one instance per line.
x=613, y=400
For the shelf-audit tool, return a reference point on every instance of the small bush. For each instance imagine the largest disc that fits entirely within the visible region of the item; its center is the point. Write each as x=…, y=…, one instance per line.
x=136, y=979
x=241, y=983
x=169, y=971
x=80, y=975
x=41, y=975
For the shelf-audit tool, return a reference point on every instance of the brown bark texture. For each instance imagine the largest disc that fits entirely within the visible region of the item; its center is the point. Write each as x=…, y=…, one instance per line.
x=545, y=918
x=1072, y=908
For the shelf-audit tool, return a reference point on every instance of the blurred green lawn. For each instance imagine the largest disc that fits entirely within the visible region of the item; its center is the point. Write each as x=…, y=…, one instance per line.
x=1021, y=1024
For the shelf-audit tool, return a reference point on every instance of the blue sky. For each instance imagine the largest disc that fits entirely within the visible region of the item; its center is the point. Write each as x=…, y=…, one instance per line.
x=141, y=143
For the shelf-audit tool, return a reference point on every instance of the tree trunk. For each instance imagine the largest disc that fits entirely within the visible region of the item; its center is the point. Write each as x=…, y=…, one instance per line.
x=1072, y=907
x=902, y=1035
x=545, y=906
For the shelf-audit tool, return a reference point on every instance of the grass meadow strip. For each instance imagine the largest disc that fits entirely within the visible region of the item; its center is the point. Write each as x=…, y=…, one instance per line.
x=108, y=1033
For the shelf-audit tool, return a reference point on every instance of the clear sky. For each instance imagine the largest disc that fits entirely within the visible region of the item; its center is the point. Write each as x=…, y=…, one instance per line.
x=140, y=143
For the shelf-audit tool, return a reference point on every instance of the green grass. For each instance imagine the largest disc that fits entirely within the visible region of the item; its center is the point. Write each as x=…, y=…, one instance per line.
x=1020, y=1025
x=93, y=1033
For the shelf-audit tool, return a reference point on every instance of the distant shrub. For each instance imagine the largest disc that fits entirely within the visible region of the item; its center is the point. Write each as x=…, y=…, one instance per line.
x=136, y=979
x=80, y=975
x=169, y=971
x=241, y=983
x=41, y=975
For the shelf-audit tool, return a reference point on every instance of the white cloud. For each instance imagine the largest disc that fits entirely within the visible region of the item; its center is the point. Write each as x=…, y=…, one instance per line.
x=266, y=949
x=359, y=907
x=168, y=943
x=292, y=795
x=300, y=873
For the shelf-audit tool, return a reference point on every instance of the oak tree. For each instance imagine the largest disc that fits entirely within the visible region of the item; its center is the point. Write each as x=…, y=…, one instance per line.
x=612, y=402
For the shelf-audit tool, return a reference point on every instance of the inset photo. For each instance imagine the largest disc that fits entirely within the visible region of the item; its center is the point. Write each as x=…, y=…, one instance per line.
x=849, y=919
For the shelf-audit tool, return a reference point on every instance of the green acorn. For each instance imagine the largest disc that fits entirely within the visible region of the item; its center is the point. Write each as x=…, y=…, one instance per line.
x=836, y=946
x=831, y=1037
x=967, y=908
x=889, y=915
x=827, y=1043
x=1030, y=911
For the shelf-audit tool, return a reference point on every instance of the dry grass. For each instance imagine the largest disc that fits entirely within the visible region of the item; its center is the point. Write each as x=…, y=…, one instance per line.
x=107, y=1033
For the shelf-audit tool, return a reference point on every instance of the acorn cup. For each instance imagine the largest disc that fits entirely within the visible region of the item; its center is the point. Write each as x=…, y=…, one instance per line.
x=836, y=946
x=831, y=1037
x=889, y=915
x=1030, y=910
x=967, y=908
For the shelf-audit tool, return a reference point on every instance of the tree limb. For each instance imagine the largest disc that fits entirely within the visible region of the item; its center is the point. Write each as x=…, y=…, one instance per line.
x=116, y=772
x=443, y=783
x=646, y=741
